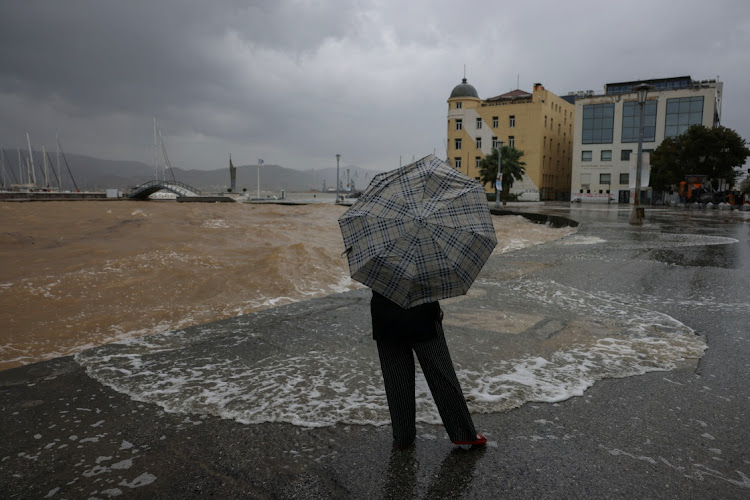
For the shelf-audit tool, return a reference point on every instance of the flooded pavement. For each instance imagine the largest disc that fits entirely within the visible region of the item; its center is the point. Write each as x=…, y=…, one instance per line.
x=612, y=363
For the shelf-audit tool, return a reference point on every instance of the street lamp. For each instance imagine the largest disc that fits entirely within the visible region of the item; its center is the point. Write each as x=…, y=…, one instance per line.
x=338, y=157
x=499, y=179
x=636, y=216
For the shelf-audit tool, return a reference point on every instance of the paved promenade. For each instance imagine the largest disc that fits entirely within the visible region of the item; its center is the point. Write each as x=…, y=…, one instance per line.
x=681, y=433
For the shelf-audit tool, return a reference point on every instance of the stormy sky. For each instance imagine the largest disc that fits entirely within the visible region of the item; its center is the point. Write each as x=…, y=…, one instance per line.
x=296, y=81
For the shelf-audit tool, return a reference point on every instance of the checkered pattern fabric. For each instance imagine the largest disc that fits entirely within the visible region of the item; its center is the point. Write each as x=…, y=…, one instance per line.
x=419, y=233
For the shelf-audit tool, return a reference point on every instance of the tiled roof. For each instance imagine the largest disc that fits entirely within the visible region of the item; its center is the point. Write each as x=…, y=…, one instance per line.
x=513, y=94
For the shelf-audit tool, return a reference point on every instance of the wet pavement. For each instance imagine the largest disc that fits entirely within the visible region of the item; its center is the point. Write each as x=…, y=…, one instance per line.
x=675, y=429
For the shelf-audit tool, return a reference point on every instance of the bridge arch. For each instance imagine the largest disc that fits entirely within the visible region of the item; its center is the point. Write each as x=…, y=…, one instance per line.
x=146, y=189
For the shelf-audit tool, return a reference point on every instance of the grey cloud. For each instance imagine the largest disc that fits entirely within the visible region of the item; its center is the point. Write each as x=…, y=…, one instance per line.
x=299, y=81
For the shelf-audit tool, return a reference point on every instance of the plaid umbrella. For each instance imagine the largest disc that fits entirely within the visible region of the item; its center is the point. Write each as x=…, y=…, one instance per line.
x=419, y=233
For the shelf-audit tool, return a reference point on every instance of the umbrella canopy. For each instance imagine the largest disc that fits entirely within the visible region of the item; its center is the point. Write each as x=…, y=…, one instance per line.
x=419, y=233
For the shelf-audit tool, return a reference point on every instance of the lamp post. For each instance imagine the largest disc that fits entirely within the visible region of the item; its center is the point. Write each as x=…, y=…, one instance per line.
x=338, y=157
x=499, y=179
x=636, y=216
x=260, y=162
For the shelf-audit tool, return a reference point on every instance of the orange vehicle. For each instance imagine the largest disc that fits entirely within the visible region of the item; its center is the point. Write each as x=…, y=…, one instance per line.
x=693, y=185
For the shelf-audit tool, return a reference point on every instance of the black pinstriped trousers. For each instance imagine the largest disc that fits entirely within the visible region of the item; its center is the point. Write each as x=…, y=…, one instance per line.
x=397, y=364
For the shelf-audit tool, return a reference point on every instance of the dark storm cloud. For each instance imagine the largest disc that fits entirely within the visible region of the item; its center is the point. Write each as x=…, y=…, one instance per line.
x=295, y=82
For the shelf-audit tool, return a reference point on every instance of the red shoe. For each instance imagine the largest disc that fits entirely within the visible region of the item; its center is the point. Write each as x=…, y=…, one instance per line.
x=479, y=441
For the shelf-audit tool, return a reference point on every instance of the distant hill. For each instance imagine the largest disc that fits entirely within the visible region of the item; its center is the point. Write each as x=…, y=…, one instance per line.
x=95, y=174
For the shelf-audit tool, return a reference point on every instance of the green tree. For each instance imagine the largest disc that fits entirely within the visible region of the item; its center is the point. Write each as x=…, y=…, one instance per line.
x=512, y=167
x=714, y=152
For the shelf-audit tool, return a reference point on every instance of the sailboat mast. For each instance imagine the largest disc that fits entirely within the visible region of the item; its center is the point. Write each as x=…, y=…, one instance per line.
x=46, y=172
x=2, y=165
x=30, y=166
x=20, y=168
x=59, y=178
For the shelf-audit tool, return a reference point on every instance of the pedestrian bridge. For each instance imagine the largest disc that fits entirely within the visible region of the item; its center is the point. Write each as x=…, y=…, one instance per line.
x=146, y=189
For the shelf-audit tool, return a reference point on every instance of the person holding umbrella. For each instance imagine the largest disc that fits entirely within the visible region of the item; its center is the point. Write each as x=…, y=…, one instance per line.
x=416, y=235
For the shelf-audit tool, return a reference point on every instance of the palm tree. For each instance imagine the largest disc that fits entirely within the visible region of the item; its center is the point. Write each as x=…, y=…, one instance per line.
x=512, y=168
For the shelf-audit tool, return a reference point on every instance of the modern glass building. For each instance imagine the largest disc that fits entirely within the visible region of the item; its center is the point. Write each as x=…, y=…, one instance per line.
x=605, y=138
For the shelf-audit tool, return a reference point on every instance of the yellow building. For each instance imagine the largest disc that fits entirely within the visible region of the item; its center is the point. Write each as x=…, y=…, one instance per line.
x=540, y=124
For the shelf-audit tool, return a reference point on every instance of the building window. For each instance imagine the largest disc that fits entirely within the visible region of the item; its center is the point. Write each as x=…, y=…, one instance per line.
x=545, y=121
x=495, y=122
x=479, y=123
x=585, y=155
x=681, y=114
x=625, y=179
x=598, y=123
x=630, y=118
x=477, y=161
x=458, y=143
x=605, y=178
x=625, y=154
x=457, y=162
x=512, y=141
x=494, y=142
x=512, y=121
x=459, y=124
x=479, y=143
x=458, y=105
x=606, y=155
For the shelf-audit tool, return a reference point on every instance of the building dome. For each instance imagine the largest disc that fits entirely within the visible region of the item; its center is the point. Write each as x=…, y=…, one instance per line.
x=464, y=90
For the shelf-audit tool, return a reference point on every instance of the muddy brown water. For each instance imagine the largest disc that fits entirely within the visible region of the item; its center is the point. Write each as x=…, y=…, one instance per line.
x=79, y=274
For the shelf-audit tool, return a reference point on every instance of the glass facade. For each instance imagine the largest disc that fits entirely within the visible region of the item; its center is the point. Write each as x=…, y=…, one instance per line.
x=630, y=118
x=598, y=123
x=681, y=114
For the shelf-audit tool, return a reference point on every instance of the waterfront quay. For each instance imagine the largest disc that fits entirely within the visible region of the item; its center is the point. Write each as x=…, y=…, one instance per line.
x=679, y=432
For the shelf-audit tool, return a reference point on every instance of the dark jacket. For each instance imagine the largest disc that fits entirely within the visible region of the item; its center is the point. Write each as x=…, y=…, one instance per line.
x=393, y=323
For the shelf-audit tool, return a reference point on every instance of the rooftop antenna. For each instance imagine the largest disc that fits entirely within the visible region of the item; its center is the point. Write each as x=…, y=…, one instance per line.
x=518, y=81
x=464, y=72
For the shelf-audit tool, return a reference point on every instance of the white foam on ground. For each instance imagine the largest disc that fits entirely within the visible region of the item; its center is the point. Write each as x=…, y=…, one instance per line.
x=578, y=239
x=339, y=381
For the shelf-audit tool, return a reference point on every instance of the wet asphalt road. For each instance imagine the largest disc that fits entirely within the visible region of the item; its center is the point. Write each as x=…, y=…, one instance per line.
x=677, y=434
